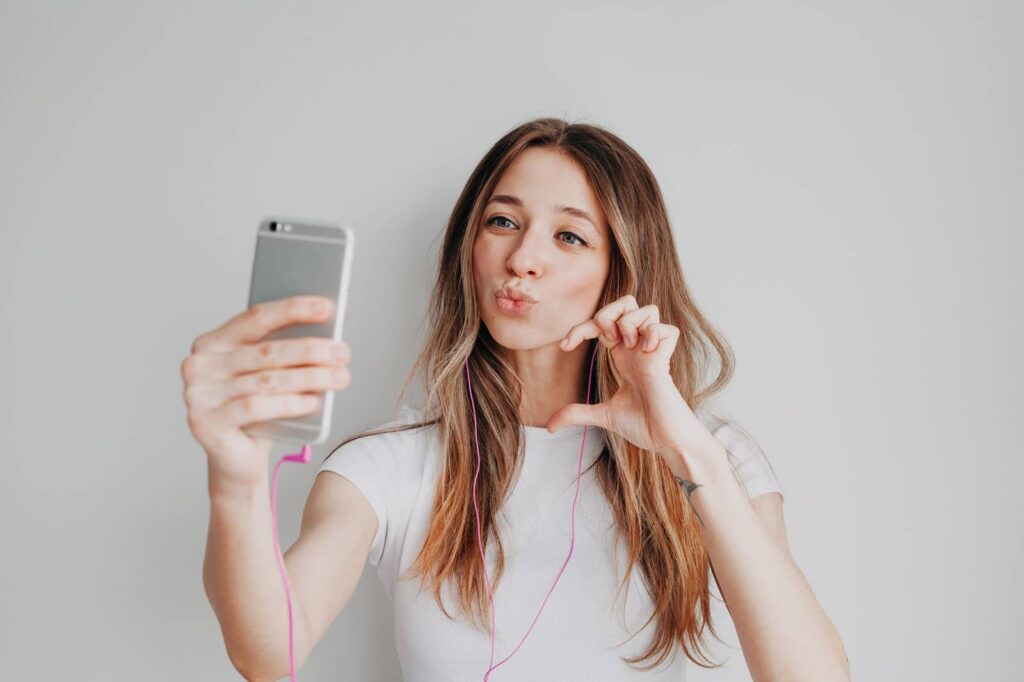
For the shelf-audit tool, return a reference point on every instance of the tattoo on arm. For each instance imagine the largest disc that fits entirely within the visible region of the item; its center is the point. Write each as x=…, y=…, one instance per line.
x=688, y=487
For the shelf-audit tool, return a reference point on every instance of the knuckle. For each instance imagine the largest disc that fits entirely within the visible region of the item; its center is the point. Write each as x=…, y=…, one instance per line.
x=253, y=313
x=257, y=316
x=312, y=348
x=265, y=380
x=188, y=368
x=199, y=343
x=266, y=351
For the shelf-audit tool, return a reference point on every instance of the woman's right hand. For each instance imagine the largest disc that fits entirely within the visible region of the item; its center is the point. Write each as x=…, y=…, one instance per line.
x=232, y=379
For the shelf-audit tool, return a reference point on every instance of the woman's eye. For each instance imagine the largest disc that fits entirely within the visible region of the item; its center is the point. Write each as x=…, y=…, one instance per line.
x=580, y=241
x=497, y=217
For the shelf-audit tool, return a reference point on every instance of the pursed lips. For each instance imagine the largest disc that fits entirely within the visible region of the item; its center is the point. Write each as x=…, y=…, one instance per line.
x=510, y=304
x=514, y=294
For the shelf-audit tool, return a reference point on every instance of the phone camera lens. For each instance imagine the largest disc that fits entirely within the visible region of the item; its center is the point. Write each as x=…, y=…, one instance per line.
x=273, y=227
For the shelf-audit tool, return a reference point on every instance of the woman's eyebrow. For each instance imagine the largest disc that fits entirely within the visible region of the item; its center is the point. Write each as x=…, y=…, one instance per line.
x=516, y=201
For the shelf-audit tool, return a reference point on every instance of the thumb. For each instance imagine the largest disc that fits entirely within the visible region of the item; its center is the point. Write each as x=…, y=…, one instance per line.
x=577, y=413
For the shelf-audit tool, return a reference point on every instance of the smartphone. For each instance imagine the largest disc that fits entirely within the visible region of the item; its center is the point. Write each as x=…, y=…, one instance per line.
x=295, y=256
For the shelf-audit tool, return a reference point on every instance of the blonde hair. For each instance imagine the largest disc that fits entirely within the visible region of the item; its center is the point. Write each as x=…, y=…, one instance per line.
x=659, y=526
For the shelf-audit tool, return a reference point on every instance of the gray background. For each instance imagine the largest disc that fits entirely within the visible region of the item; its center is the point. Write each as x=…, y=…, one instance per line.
x=841, y=179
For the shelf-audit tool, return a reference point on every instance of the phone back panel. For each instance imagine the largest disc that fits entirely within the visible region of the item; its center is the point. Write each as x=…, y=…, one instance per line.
x=301, y=257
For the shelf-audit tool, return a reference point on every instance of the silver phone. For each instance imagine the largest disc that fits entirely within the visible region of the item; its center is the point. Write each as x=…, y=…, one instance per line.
x=297, y=256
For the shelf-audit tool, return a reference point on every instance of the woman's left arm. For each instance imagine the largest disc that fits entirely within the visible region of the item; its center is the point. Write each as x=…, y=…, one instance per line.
x=784, y=632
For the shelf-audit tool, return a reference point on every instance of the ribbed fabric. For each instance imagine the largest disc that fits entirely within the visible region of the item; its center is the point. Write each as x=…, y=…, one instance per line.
x=580, y=630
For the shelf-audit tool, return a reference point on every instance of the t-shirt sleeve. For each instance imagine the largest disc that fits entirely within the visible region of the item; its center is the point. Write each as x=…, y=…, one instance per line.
x=747, y=460
x=365, y=462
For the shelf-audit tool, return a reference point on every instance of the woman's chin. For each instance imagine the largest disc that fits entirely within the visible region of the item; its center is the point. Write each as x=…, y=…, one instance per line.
x=519, y=341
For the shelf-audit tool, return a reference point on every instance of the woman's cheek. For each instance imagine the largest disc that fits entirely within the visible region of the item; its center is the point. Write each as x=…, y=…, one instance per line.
x=582, y=289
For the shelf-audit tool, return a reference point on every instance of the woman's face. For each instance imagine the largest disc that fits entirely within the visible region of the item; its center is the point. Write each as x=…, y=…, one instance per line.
x=535, y=236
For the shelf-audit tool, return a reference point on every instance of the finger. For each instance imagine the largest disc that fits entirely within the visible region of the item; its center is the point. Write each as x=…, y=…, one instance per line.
x=608, y=331
x=602, y=322
x=312, y=350
x=262, y=318
x=627, y=329
x=647, y=330
x=650, y=337
x=630, y=323
x=582, y=332
x=207, y=368
x=258, y=407
x=663, y=332
x=298, y=380
x=207, y=396
x=607, y=317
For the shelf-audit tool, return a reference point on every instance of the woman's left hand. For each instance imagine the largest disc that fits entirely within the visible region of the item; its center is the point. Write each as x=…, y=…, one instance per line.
x=648, y=409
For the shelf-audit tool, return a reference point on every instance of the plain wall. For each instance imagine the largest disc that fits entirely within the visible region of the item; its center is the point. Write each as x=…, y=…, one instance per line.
x=844, y=184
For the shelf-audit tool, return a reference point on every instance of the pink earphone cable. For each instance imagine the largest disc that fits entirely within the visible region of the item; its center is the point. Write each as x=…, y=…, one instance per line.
x=480, y=544
x=303, y=457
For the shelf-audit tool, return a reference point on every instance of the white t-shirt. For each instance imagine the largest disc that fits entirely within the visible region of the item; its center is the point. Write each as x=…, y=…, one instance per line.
x=576, y=635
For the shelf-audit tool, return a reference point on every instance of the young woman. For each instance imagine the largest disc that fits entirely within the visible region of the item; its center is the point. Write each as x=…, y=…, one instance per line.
x=564, y=488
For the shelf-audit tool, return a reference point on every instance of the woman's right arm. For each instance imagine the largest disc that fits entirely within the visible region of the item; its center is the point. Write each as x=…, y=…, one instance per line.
x=232, y=379
x=243, y=582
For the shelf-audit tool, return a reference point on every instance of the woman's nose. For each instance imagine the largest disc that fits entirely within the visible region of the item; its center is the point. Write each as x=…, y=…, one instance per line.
x=528, y=254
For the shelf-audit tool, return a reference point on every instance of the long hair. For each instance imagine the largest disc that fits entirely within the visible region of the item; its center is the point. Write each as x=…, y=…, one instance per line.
x=653, y=517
